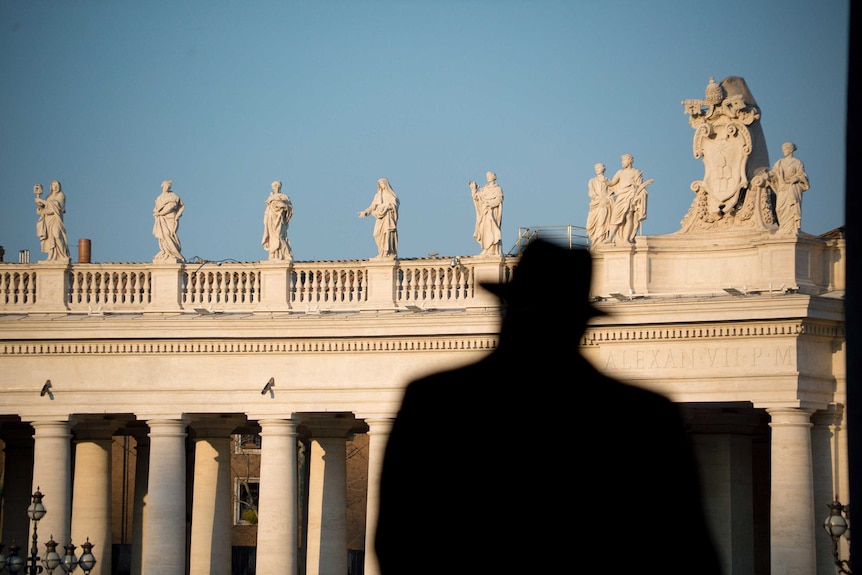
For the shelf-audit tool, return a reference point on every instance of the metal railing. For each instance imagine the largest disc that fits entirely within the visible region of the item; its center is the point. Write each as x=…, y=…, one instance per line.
x=570, y=236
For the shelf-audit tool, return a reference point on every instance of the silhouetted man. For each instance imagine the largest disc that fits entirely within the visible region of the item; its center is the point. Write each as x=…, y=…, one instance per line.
x=530, y=461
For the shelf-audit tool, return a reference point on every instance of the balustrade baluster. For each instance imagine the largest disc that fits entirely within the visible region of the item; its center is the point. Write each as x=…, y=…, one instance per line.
x=350, y=285
x=234, y=288
x=465, y=282
x=299, y=286
x=198, y=289
x=133, y=288
x=98, y=287
x=113, y=288
x=212, y=287
x=75, y=288
x=87, y=287
x=30, y=287
x=331, y=278
x=229, y=287
x=315, y=287
x=104, y=294
x=412, y=285
x=238, y=288
x=338, y=286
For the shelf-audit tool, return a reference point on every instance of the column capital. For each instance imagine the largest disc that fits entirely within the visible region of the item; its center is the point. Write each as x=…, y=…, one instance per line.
x=789, y=416
x=829, y=417
x=52, y=428
x=167, y=427
x=285, y=426
x=379, y=425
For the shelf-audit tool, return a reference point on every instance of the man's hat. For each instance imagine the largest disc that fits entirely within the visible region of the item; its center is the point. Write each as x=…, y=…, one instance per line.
x=547, y=270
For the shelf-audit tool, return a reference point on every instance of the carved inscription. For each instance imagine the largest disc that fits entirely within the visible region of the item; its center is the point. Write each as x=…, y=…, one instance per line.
x=699, y=358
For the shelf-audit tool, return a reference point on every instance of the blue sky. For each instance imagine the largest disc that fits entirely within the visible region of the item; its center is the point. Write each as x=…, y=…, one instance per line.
x=111, y=98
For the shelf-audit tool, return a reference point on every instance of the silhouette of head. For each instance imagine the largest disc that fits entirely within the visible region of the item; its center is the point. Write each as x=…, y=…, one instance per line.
x=552, y=280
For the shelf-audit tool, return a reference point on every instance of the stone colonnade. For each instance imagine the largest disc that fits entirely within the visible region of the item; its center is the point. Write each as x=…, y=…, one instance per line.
x=159, y=539
x=804, y=447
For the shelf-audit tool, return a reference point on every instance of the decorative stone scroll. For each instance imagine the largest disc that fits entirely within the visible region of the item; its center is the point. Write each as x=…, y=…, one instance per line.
x=735, y=191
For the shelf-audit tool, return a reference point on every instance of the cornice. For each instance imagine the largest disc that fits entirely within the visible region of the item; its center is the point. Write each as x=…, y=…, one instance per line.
x=593, y=337
x=238, y=346
x=596, y=336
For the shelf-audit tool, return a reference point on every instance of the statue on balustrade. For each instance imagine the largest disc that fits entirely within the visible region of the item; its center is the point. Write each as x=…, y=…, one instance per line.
x=50, y=226
x=629, y=191
x=276, y=218
x=601, y=206
x=789, y=180
x=734, y=192
x=169, y=208
x=488, y=201
x=384, y=207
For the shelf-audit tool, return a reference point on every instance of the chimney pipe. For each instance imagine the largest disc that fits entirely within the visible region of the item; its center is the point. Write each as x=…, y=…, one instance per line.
x=83, y=251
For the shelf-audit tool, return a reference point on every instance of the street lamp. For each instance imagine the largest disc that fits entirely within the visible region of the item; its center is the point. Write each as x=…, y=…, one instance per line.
x=838, y=525
x=52, y=558
x=14, y=563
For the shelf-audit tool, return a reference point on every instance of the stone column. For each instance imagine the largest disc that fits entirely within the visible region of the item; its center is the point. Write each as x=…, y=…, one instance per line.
x=210, y=552
x=378, y=434
x=327, y=496
x=277, y=523
x=52, y=475
x=827, y=457
x=91, y=504
x=139, y=512
x=792, y=518
x=165, y=521
x=17, y=481
x=726, y=478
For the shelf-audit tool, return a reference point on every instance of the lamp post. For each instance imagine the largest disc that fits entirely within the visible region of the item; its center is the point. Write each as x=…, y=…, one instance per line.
x=838, y=525
x=14, y=563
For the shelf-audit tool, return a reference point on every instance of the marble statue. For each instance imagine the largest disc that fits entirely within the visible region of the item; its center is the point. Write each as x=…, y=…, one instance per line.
x=729, y=138
x=789, y=180
x=50, y=226
x=601, y=206
x=629, y=191
x=488, y=201
x=167, y=212
x=276, y=218
x=384, y=207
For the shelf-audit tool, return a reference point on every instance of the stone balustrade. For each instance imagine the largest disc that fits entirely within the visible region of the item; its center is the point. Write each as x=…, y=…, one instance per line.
x=251, y=287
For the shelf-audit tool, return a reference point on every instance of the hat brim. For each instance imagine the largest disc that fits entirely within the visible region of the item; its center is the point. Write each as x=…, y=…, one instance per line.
x=505, y=293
